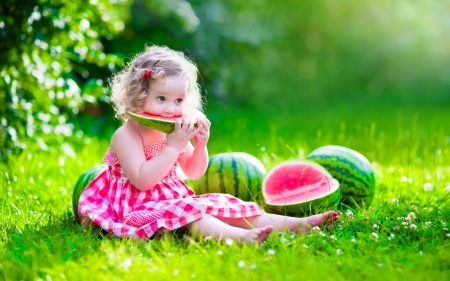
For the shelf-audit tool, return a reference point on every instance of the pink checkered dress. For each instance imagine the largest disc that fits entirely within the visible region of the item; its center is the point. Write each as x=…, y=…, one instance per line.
x=113, y=203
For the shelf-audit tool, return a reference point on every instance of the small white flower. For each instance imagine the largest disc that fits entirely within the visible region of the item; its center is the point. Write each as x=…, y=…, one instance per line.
x=394, y=201
x=219, y=252
x=176, y=271
x=127, y=263
x=408, y=219
x=427, y=223
x=380, y=264
x=207, y=238
x=448, y=235
x=241, y=263
x=404, y=223
x=353, y=240
x=445, y=229
x=316, y=228
x=413, y=227
x=229, y=241
x=400, y=218
x=412, y=215
x=447, y=187
x=375, y=226
x=332, y=237
x=305, y=246
x=405, y=179
x=339, y=252
x=349, y=214
x=375, y=235
x=428, y=186
x=271, y=251
x=323, y=234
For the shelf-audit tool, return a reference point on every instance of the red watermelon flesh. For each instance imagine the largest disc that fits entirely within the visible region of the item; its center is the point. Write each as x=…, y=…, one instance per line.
x=296, y=186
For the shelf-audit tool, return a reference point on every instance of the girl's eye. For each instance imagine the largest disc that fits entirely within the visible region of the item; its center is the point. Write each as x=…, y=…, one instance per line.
x=179, y=101
x=160, y=98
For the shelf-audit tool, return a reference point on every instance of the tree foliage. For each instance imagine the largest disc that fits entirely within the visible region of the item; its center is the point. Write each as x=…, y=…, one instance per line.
x=46, y=48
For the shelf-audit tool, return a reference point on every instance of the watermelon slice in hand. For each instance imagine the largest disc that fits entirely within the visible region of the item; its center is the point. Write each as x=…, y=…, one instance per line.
x=298, y=188
x=164, y=124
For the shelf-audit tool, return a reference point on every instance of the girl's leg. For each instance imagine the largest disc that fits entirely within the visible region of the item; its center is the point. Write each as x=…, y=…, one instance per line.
x=298, y=225
x=211, y=226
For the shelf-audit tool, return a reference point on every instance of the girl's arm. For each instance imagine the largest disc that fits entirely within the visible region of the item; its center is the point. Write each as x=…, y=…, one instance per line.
x=195, y=160
x=143, y=174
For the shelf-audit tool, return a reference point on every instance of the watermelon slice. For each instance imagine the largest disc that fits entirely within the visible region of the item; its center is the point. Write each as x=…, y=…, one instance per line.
x=299, y=187
x=163, y=124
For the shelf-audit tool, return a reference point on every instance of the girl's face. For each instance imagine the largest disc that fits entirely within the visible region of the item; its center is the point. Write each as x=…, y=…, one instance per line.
x=166, y=97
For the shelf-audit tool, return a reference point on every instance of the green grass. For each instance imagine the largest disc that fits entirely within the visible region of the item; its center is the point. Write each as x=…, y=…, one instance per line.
x=409, y=146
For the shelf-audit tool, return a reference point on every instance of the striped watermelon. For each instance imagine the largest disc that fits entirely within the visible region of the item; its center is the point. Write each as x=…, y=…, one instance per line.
x=354, y=172
x=236, y=173
x=82, y=182
x=299, y=188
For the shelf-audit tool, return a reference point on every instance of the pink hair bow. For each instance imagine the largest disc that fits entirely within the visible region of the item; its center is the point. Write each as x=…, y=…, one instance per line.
x=146, y=74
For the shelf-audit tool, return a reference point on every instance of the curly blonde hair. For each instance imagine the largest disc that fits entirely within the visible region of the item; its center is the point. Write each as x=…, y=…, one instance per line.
x=128, y=90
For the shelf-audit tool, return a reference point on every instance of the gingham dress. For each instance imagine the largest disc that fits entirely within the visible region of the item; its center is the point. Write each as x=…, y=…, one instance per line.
x=112, y=202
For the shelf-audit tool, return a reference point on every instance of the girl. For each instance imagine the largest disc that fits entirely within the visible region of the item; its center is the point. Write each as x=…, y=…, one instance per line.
x=140, y=195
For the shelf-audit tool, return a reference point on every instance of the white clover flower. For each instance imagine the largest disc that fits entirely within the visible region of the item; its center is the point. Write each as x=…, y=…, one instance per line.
x=408, y=220
x=339, y=252
x=404, y=223
x=353, y=240
x=447, y=187
x=316, y=228
x=375, y=235
x=349, y=214
x=323, y=234
x=394, y=201
x=271, y=251
x=428, y=186
x=391, y=236
x=332, y=237
x=375, y=226
x=219, y=252
x=207, y=238
x=396, y=228
x=305, y=246
x=412, y=215
x=127, y=263
x=229, y=241
x=405, y=179
x=428, y=223
x=448, y=235
x=241, y=263
x=413, y=227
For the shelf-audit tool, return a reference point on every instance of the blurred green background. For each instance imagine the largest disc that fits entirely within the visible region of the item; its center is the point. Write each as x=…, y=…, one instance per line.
x=289, y=68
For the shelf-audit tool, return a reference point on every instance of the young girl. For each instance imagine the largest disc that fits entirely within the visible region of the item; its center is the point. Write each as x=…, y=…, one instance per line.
x=140, y=195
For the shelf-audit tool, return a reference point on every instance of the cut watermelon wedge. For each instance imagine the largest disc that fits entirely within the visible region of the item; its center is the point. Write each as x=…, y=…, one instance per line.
x=163, y=124
x=299, y=188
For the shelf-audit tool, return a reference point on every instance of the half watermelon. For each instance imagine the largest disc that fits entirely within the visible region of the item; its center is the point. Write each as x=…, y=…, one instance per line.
x=298, y=188
x=163, y=124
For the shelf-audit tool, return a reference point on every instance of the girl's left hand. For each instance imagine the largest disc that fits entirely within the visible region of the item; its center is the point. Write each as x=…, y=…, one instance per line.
x=202, y=136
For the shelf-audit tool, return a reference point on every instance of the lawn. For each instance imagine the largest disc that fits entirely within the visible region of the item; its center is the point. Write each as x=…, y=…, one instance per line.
x=403, y=235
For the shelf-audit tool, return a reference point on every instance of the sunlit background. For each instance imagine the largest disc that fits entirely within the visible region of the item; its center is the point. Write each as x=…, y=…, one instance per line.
x=274, y=59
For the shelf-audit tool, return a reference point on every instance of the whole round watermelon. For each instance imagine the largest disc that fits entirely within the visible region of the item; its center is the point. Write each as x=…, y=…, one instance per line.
x=82, y=182
x=299, y=188
x=353, y=171
x=236, y=173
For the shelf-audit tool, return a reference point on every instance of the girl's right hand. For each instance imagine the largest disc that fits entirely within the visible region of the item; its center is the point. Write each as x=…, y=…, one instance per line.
x=182, y=134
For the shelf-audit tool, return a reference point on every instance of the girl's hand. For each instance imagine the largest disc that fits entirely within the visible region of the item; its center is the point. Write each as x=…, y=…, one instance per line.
x=201, y=138
x=182, y=134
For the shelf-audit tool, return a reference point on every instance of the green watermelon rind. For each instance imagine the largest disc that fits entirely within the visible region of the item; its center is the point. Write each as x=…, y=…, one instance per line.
x=83, y=181
x=224, y=175
x=165, y=126
x=161, y=124
x=354, y=172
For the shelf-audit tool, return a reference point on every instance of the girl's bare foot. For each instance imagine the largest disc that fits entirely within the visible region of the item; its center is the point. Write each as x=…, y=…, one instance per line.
x=317, y=220
x=257, y=235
